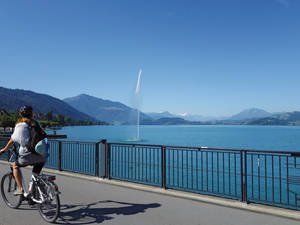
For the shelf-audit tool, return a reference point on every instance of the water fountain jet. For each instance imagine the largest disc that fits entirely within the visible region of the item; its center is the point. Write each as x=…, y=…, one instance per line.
x=138, y=104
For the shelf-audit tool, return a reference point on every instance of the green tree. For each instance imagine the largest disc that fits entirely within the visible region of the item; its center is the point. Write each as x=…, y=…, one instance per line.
x=68, y=120
x=49, y=116
x=6, y=121
x=60, y=119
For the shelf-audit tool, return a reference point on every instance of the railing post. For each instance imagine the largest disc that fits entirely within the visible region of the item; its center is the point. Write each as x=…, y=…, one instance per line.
x=97, y=159
x=103, y=158
x=243, y=155
x=242, y=175
x=163, y=167
x=59, y=155
x=245, y=175
x=108, y=150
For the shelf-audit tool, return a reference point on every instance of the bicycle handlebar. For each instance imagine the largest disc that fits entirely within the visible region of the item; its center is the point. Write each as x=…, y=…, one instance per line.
x=12, y=148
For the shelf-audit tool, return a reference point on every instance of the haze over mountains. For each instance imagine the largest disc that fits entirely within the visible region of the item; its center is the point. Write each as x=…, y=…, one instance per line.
x=251, y=114
x=118, y=113
x=85, y=107
x=244, y=115
x=185, y=116
x=105, y=110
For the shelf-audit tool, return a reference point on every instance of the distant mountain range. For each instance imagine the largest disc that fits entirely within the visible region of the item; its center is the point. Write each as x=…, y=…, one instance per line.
x=250, y=114
x=13, y=99
x=165, y=114
x=105, y=110
x=289, y=118
x=85, y=107
x=171, y=121
x=185, y=116
x=244, y=115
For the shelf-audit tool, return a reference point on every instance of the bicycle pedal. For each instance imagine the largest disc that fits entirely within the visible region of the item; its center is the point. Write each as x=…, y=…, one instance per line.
x=30, y=202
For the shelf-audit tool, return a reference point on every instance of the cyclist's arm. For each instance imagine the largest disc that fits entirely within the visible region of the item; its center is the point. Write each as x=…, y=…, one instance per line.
x=9, y=143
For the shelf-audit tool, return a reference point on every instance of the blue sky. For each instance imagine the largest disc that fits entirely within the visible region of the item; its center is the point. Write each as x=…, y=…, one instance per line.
x=206, y=57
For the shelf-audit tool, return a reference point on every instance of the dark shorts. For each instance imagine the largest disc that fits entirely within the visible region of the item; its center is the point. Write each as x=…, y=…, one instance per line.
x=32, y=159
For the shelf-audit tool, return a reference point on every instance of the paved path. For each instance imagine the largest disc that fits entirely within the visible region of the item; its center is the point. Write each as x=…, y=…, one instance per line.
x=87, y=202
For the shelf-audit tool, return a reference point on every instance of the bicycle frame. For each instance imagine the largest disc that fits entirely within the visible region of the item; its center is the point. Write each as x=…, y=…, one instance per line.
x=43, y=191
x=24, y=186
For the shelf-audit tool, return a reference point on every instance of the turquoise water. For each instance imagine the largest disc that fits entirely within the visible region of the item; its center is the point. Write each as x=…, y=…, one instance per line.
x=272, y=178
x=285, y=138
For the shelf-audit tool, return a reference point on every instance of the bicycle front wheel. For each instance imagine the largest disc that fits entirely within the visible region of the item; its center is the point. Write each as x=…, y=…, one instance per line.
x=49, y=210
x=8, y=187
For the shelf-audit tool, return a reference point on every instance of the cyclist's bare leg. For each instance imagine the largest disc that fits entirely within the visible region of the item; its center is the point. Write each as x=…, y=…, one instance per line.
x=17, y=175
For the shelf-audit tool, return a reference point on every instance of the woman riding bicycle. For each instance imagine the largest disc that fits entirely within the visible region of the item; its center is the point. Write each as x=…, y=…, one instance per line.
x=21, y=135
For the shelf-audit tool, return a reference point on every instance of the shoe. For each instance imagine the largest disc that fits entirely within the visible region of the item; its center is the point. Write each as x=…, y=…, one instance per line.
x=18, y=192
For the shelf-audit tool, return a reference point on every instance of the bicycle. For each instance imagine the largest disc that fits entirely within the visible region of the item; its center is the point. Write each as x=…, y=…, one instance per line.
x=42, y=191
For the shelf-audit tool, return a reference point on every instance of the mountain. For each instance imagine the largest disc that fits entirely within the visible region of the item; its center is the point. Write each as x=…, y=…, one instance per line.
x=185, y=116
x=290, y=118
x=13, y=99
x=105, y=110
x=170, y=121
x=192, y=117
x=250, y=114
x=244, y=115
x=165, y=114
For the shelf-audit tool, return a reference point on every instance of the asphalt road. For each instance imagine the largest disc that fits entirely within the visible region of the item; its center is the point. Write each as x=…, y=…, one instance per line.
x=88, y=202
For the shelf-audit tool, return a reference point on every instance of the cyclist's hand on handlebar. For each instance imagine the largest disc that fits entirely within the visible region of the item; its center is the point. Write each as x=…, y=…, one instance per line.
x=9, y=144
x=2, y=151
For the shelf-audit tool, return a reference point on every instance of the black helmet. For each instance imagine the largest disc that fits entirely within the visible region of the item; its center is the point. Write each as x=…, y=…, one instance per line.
x=26, y=111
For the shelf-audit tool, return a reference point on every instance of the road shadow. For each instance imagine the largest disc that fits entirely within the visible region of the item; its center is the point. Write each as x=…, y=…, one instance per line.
x=100, y=211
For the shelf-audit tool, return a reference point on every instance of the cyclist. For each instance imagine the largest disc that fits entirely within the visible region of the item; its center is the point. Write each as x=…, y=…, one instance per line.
x=21, y=135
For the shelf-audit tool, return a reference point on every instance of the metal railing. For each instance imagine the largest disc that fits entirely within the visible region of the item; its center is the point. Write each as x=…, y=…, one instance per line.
x=272, y=178
x=79, y=157
x=267, y=177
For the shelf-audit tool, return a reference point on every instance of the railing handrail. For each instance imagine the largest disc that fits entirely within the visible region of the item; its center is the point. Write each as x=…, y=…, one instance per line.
x=74, y=142
x=208, y=148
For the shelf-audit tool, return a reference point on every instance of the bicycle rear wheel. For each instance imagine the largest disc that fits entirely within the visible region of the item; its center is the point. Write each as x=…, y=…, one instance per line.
x=8, y=187
x=50, y=209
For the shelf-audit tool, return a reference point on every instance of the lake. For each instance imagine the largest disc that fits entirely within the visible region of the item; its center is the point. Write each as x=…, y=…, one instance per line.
x=286, y=138
x=268, y=178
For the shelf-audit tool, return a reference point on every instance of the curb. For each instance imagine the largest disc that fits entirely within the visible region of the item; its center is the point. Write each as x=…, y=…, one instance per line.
x=258, y=208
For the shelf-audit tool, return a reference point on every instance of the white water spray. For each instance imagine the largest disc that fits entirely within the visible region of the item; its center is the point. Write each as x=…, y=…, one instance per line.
x=138, y=99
